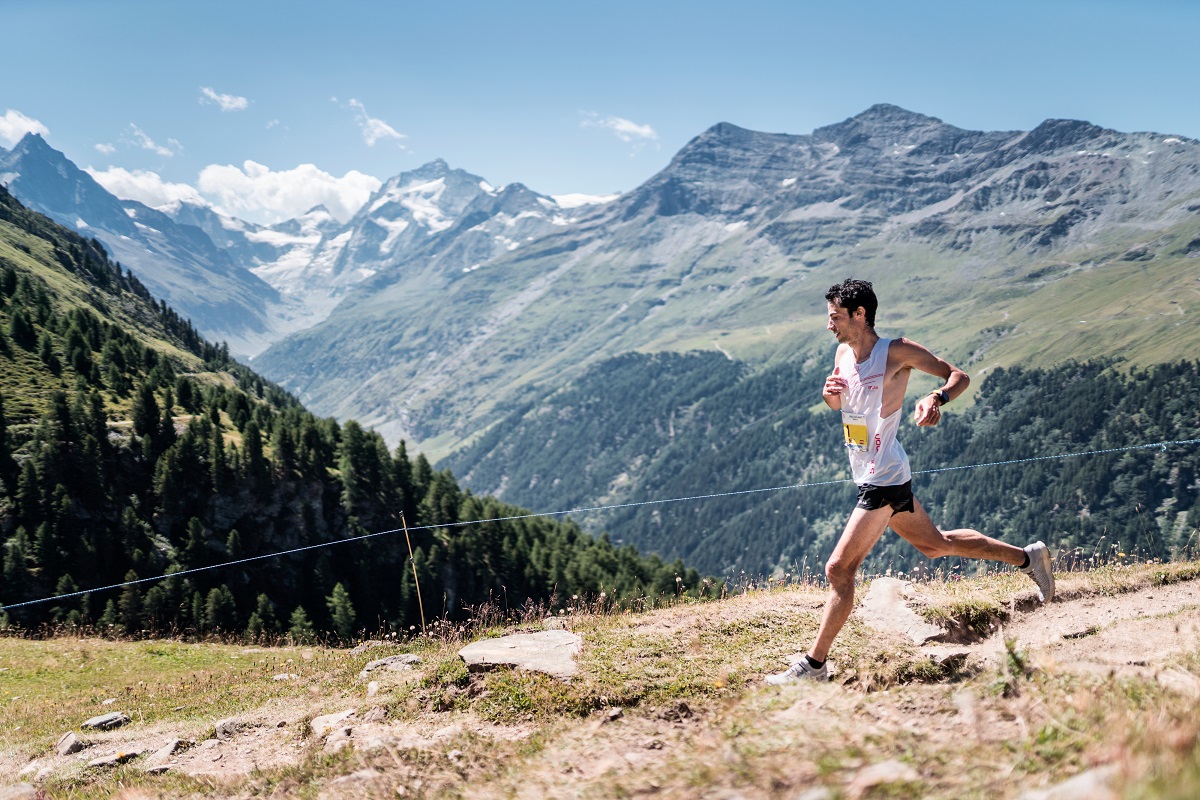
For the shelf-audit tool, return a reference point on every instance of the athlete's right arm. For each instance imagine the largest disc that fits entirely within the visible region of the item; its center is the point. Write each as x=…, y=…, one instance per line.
x=834, y=385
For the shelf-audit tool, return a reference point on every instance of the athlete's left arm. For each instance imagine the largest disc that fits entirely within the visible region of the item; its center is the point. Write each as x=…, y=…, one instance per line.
x=919, y=357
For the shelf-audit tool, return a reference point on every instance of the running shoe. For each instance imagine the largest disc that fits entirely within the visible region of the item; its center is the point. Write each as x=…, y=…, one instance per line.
x=1040, y=570
x=800, y=671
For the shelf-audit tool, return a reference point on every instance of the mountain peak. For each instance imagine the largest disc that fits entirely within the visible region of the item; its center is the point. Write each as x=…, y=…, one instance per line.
x=33, y=144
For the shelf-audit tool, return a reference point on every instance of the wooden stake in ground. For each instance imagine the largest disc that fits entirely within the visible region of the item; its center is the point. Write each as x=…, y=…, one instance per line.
x=416, y=580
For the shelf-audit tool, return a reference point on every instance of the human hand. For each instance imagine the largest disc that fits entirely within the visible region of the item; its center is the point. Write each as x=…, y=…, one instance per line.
x=928, y=411
x=834, y=386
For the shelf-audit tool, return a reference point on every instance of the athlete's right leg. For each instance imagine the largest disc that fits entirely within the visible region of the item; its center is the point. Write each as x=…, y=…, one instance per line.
x=861, y=533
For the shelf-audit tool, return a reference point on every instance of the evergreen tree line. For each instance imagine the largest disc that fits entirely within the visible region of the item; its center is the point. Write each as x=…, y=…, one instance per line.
x=130, y=453
x=770, y=429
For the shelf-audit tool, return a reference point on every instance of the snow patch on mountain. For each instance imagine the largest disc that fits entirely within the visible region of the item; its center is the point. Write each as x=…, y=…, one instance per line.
x=575, y=200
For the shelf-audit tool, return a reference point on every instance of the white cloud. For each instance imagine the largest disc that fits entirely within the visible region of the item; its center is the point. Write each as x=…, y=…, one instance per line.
x=144, y=186
x=625, y=130
x=105, y=149
x=227, y=102
x=142, y=140
x=373, y=129
x=14, y=125
x=259, y=194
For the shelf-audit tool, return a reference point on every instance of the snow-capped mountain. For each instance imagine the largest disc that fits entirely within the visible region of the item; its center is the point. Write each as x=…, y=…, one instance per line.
x=178, y=262
x=434, y=217
x=252, y=285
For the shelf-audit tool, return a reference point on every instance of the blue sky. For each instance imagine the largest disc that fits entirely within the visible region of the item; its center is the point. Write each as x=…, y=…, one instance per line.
x=266, y=107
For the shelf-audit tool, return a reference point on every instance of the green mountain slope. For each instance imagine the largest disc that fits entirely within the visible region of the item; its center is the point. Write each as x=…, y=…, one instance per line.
x=131, y=448
x=766, y=429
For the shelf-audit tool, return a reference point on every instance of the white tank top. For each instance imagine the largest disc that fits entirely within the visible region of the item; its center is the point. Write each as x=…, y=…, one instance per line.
x=876, y=457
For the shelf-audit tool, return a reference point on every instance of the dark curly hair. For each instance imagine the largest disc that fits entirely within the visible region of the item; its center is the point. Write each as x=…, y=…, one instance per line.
x=853, y=294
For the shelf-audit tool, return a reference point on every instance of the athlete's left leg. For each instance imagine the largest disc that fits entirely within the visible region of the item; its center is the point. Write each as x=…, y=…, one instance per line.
x=918, y=529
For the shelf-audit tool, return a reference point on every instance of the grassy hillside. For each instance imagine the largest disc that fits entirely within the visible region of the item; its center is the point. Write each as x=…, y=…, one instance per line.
x=667, y=703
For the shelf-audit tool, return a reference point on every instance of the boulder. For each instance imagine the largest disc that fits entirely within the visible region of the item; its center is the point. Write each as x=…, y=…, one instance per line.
x=551, y=652
x=228, y=728
x=68, y=744
x=884, y=608
x=400, y=663
x=323, y=726
x=106, y=722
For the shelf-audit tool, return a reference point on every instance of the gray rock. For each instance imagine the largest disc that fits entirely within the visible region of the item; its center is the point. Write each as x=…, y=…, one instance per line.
x=228, y=728
x=884, y=608
x=19, y=791
x=161, y=755
x=881, y=774
x=112, y=760
x=551, y=652
x=324, y=726
x=1095, y=784
x=376, y=714
x=106, y=722
x=400, y=663
x=339, y=739
x=68, y=744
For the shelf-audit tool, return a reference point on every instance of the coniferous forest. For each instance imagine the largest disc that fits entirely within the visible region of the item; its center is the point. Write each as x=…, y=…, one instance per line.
x=130, y=448
x=683, y=438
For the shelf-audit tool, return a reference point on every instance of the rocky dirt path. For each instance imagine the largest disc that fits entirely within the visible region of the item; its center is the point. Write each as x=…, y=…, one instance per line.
x=1135, y=632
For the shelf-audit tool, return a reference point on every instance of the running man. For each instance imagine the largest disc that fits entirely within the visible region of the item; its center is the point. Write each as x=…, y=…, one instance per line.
x=869, y=378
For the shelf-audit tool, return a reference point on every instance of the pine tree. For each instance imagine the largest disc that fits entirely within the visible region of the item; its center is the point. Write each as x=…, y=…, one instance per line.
x=341, y=611
x=130, y=605
x=220, y=610
x=300, y=628
x=145, y=411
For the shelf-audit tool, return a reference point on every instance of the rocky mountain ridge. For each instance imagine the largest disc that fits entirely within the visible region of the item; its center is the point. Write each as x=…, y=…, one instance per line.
x=730, y=248
x=178, y=262
x=252, y=284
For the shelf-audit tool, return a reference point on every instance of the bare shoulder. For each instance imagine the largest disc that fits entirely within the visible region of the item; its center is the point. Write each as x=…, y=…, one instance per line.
x=902, y=351
x=907, y=354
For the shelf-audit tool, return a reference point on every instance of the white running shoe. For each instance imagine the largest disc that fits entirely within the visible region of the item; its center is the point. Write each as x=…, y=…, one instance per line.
x=800, y=671
x=1040, y=570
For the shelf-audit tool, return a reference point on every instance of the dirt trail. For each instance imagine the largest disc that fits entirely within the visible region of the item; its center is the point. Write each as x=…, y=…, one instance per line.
x=1135, y=632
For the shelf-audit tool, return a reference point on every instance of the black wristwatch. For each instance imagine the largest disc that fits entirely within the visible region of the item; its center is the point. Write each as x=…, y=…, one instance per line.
x=942, y=397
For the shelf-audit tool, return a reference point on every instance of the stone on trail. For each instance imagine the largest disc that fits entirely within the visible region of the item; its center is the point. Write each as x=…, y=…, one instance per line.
x=113, y=760
x=884, y=609
x=68, y=744
x=1095, y=784
x=106, y=722
x=400, y=663
x=339, y=739
x=551, y=652
x=230, y=727
x=881, y=774
x=166, y=751
x=323, y=726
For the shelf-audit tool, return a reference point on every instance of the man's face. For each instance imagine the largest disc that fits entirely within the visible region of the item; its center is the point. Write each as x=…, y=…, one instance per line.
x=843, y=325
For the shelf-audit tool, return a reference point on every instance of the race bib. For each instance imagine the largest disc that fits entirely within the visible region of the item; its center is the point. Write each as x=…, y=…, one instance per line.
x=854, y=427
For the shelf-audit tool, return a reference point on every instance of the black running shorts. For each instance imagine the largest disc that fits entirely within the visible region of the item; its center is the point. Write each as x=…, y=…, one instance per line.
x=899, y=497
